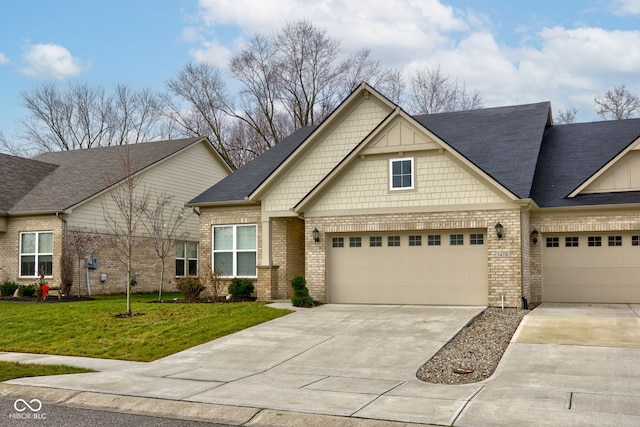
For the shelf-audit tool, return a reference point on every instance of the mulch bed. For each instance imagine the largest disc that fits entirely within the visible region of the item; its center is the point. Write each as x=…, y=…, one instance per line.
x=48, y=300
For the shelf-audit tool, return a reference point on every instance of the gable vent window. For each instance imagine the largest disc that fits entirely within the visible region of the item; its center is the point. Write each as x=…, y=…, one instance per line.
x=401, y=171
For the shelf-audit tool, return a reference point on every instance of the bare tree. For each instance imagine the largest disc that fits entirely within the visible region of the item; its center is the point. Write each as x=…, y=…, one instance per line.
x=434, y=92
x=83, y=117
x=309, y=72
x=79, y=242
x=617, y=104
x=11, y=146
x=164, y=224
x=133, y=116
x=203, y=89
x=255, y=67
x=566, y=116
x=359, y=67
x=124, y=212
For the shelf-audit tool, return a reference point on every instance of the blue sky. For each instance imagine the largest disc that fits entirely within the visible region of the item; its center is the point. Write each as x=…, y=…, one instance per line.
x=511, y=51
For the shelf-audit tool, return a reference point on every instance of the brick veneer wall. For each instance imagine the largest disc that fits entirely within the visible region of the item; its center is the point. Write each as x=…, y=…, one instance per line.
x=288, y=253
x=228, y=216
x=504, y=272
x=574, y=222
x=146, y=262
x=10, y=246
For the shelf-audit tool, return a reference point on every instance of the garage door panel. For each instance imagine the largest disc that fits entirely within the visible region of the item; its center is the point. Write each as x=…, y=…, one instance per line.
x=407, y=274
x=598, y=274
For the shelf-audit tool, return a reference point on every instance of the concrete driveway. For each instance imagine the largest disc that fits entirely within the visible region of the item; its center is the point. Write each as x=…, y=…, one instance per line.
x=345, y=360
x=567, y=365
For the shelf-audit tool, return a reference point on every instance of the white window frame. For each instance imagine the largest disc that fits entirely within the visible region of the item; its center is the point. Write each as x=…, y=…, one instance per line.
x=413, y=174
x=234, y=250
x=186, y=259
x=37, y=254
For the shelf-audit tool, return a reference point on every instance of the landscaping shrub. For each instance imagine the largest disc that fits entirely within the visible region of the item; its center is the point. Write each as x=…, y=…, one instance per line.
x=28, y=290
x=8, y=288
x=190, y=288
x=301, y=297
x=240, y=289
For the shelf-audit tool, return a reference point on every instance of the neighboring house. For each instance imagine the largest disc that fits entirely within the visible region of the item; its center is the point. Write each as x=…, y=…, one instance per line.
x=49, y=199
x=490, y=206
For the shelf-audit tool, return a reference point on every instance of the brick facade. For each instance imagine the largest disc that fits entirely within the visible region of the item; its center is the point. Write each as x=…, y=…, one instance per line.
x=145, y=261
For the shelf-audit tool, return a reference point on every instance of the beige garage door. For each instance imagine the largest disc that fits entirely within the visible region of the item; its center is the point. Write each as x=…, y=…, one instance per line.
x=447, y=268
x=594, y=267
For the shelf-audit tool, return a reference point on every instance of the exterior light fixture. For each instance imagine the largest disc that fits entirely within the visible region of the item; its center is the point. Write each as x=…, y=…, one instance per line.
x=316, y=235
x=534, y=236
x=499, y=230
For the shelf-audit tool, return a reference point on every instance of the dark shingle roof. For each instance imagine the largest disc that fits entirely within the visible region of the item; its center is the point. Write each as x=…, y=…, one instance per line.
x=18, y=177
x=247, y=179
x=572, y=153
x=504, y=142
x=77, y=175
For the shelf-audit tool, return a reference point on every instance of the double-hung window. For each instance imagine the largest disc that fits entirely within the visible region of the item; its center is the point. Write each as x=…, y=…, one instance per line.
x=186, y=259
x=36, y=254
x=235, y=250
x=401, y=174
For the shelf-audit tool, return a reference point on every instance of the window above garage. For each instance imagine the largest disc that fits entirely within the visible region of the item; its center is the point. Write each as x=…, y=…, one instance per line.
x=401, y=173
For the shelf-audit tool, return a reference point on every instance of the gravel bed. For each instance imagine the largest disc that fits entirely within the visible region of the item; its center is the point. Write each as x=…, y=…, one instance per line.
x=474, y=353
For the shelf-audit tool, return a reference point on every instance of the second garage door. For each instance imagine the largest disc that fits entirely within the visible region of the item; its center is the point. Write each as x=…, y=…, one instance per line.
x=595, y=267
x=443, y=267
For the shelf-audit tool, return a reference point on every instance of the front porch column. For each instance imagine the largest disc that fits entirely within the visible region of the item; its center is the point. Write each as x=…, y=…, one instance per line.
x=267, y=284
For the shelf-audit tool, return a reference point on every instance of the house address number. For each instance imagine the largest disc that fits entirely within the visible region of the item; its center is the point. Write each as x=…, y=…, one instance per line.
x=503, y=254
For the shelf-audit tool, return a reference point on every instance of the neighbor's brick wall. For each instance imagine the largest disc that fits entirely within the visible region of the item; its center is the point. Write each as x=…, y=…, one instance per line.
x=504, y=273
x=146, y=265
x=10, y=246
x=574, y=222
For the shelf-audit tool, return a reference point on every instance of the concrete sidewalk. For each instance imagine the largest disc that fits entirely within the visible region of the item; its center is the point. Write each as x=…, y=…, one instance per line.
x=355, y=365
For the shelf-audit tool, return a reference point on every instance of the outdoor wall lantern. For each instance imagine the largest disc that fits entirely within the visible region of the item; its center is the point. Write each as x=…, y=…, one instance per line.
x=499, y=230
x=534, y=236
x=316, y=235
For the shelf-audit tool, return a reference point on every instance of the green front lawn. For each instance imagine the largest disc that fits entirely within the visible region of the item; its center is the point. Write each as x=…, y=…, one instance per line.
x=91, y=328
x=11, y=370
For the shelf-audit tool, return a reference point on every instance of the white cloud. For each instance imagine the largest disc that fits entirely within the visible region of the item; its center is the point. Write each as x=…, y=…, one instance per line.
x=50, y=61
x=3, y=59
x=626, y=7
x=212, y=52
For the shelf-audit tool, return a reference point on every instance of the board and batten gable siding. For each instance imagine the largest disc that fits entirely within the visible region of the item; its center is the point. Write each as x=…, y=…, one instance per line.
x=184, y=175
x=325, y=155
x=623, y=176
